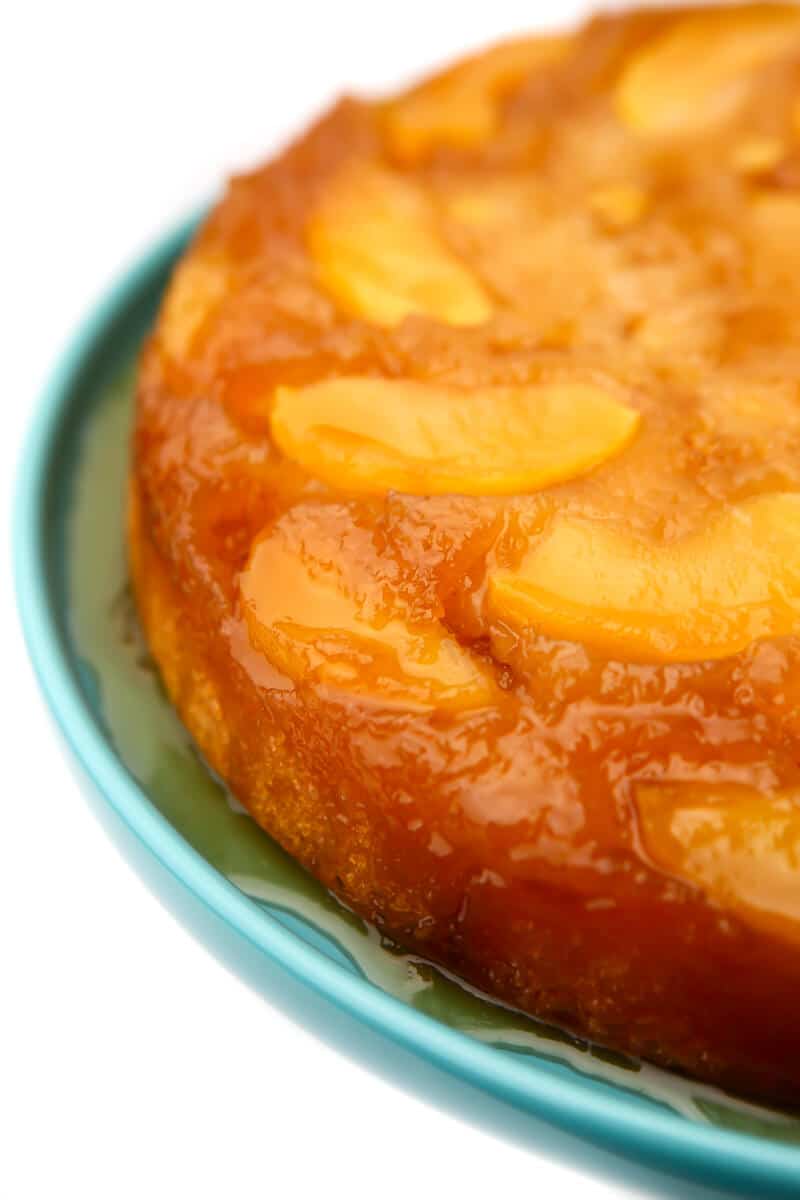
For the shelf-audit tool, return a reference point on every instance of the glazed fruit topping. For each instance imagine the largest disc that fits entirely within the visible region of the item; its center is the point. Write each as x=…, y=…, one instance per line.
x=460, y=107
x=708, y=595
x=740, y=846
x=318, y=621
x=378, y=252
x=377, y=435
x=712, y=54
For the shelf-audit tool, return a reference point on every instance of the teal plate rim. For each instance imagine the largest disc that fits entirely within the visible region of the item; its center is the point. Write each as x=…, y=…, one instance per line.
x=618, y=1121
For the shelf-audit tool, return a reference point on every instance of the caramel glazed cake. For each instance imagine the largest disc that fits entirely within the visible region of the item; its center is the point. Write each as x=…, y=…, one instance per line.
x=465, y=524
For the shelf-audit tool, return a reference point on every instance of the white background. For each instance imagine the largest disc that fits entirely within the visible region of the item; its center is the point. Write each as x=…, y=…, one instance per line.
x=131, y=1063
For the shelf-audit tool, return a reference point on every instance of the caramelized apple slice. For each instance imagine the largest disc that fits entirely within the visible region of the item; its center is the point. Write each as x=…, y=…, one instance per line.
x=706, y=596
x=378, y=252
x=198, y=285
x=696, y=73
x=459, y=108
x=313, y=624
x=377, y=434
x=740, y=846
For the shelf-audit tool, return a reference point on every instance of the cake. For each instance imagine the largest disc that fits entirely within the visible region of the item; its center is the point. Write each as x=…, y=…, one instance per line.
x=464, y=523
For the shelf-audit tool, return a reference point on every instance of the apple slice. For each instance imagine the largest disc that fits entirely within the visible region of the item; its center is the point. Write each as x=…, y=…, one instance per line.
x=460, y=107
x=378, y=252
x=314, y=625
x=741, y=846
x=707, y=596
x=196, y=288
x=696, y=73
x=374, y=435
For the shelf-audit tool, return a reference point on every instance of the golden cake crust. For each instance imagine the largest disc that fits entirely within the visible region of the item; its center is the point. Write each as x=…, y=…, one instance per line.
x=464, y=504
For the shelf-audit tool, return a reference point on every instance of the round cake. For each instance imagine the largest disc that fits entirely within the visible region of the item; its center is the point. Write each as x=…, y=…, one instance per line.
x=465, y=524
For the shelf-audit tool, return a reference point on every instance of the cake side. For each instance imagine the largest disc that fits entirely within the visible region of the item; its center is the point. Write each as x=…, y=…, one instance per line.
x=684, y=992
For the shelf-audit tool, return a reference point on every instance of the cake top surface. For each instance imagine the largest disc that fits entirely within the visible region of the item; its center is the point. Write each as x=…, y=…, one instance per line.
x=483, y=423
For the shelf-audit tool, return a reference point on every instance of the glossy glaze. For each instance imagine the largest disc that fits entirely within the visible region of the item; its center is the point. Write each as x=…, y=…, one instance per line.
x=465, y=776
x=153, y=745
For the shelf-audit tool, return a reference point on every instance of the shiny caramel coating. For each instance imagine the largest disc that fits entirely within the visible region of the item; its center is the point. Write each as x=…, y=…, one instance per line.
x=534, y=714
